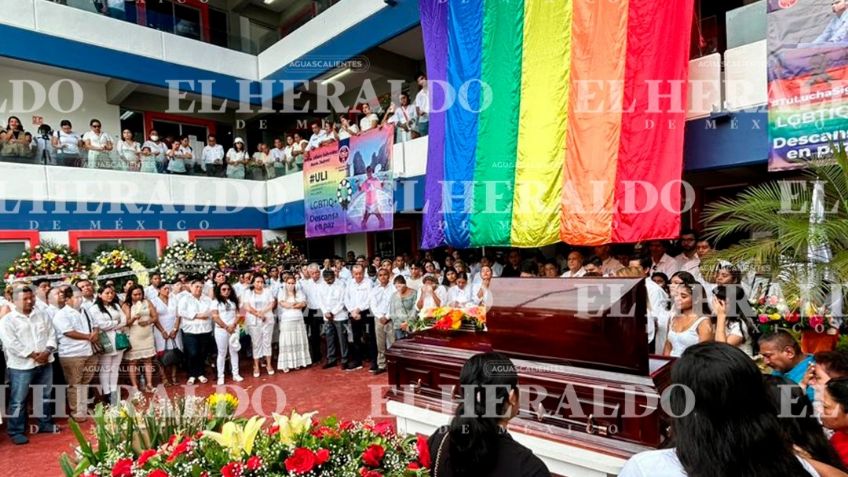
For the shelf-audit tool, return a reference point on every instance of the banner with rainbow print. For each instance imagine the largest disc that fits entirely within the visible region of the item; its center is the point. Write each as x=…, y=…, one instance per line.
x=554, y=120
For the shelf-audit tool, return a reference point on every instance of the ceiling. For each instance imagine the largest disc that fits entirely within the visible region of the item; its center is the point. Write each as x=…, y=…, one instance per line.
x=409, y=44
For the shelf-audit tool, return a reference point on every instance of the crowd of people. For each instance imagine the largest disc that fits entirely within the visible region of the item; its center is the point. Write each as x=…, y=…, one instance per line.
x=100, y=149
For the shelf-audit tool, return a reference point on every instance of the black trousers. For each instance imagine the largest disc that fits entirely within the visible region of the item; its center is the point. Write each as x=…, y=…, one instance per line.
x=364, y=340
x=314, y=320
x=195, y=353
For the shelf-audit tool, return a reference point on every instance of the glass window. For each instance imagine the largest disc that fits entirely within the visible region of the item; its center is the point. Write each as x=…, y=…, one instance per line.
x=91, y=247
x=10, y=250
x=210, y=243
x=187, y=22
x=218, y=30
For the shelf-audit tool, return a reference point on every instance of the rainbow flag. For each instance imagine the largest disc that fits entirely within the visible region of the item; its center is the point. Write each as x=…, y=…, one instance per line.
x=554, y=120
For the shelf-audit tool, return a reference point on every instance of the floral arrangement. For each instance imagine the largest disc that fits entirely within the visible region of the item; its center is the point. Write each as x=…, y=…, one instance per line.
x=293, y=445
x=240, y=254
x=45, y=259
x=774, y=312
x=184, y=256
x=450, y=318
x=119, y=261
x=281, y=252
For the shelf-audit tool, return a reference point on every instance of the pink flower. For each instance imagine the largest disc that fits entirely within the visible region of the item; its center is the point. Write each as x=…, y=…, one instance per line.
x=773, y=300
x=763, y=318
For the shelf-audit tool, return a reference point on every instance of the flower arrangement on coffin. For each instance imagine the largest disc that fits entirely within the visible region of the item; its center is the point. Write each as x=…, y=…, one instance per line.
x=773, y=312
x=45, y=259
x=119, y=261
x=293, y=445
x=450, y=318
x=184, y=256
x=282, y=252
x=240, y=254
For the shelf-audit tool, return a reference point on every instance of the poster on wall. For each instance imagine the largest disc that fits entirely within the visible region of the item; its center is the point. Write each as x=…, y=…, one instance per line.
x=348, y=185
x=807, y=72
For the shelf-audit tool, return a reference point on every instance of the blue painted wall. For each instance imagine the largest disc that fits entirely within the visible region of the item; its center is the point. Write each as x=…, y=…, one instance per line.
x=737, y=139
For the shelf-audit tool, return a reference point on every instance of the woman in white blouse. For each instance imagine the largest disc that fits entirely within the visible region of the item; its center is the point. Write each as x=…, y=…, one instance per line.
x=480, y=292
x=169, y=338
x=731, y=326
x=107, y=316
x=431, y=294
x=459, y=295
x=294, y=343
x=99, y=146
x=259, y=304
x=67, y=143
x=128, y=153
x=227, y=333
x=237, y=157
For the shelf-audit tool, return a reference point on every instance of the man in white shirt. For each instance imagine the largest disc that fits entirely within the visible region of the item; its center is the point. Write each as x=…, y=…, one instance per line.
x=152, y=291
x=403, y=117
x=369, y=119
x=87, y=290
x=416, y=276
x=337, y=329
x=661, y=261
x=213, y=158
x=400, y=267
x=29, y=341
x=575, y=265
x=342, y=272
x=55, y=302
x=245, y=279
x=42, y=288
x=278, y=157
x=358, y=303
x=688, y=260
x=609, y=264
x=347, y=130
x=422, y=107
x=384, y=332
x=76, y=335
x=314, y=320
x=194, y=318
x=318, y=138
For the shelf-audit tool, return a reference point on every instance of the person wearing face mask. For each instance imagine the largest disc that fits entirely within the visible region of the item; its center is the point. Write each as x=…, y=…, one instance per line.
x=476, y=442
x=158, y=150
x=293, y=342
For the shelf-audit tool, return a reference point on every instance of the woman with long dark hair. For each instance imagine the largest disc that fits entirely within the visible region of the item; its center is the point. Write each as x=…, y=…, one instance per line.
x=732, y=326
x=141, y=321
x=225, y=315
x=835, y=415
x=476, y=444
x=727, y=426
x=107, y=316
x=689, y=325
x=798, y=419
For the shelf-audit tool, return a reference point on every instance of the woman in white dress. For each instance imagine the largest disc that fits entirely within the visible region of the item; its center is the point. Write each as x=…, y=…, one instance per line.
x=99, y=146
x=689, y=326
x=259, y=304
x=128, y=153
x=459, y=295
x=237, y=157
x=169, y=337
x=480, y=292
x=141, y=321
x=106, y=315
x=294, y=343
x=225, y=316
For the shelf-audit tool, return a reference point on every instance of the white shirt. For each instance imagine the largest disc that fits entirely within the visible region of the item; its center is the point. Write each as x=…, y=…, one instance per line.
x=69, y=319
x=331, y=298
x=487, y=295
x=497, y=269
x=579, y=273
x=429, y=302
x=69, y=143
x=150, y=292
x=240, y=288
x=401, y=271
x=422, y=102
x=343, y=134
x=188, y=308
x=665, y=463
x=380, y=298
x=368, y=122
x=358, y=295
x=460, y=296
x=227, y=312
x=23, y=335
x=403, y=115
x=278, y=155
x=658, y=311
x=97, y=141
x=310, y=289
x=415, y=283
x=258, y=301
x=290, y=314
x=316, y=139
x=213, y=154
x=666, y=265
x=157, y=149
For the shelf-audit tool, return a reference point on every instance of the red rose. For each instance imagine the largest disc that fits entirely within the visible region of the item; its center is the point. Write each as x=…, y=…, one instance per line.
x=363, y=472
x=273, y=430
x=413, y=466
x=423, y=451
x=179, y=450
x=322, y=456
x=145, y=456
x=346, y=425
x=122, y=468
x=384, y=429
x=324, y=431
x=254, y=463
x=373, y=455
x=301, y=461
x=233, y=469
x=158, y=473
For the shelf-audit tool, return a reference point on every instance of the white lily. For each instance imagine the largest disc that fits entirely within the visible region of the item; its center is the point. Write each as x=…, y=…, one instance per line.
x=292, y=426
x=237, y=439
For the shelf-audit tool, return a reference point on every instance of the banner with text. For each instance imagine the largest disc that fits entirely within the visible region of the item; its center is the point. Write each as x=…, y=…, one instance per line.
x=808, y=94
x=348, y=185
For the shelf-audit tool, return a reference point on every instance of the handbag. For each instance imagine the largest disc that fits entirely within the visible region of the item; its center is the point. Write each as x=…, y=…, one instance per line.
x=173, y=356
x=122, y=341
x=97, y=346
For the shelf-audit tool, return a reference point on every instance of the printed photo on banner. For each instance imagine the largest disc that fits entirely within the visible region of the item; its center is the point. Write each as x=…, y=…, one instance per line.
x=807, y=70
x=349, y=186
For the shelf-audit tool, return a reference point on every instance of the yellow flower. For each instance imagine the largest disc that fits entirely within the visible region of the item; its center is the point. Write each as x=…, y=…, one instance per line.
x=292, y=426
x=774, y=316
x=236, y=439
x=223, y=399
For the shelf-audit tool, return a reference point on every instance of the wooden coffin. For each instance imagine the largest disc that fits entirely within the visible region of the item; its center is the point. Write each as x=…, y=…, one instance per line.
x=581, y=350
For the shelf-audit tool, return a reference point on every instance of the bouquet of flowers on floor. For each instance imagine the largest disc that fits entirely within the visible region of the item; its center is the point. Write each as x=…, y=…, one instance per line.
x=45, y=259
x=239, y=254
x=282, y=253
x=120, y=265
x=450, y=318
x=292, y=445
x=184, y=256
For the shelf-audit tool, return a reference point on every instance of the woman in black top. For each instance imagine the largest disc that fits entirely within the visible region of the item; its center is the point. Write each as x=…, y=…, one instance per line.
x=478, y=445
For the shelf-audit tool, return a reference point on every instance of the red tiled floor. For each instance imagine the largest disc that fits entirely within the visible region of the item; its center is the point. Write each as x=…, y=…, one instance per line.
x=331, y=392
